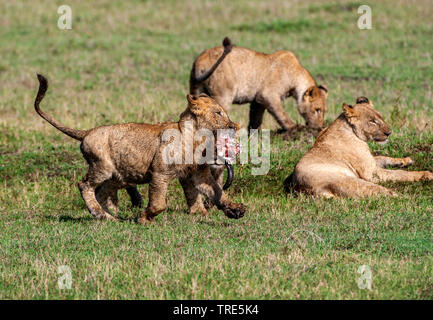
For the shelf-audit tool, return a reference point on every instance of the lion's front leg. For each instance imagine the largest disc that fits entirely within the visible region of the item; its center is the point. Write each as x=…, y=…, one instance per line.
x=402, y=175
x=206, y=184
x=135, y=196
x=384, y=162
x=193, y=197
x=275, y=107
x=157, y=198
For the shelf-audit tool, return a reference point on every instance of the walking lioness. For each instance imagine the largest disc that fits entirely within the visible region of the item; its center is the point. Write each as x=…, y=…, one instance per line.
x=239, y=75
x=340, y=162
x=124, y=155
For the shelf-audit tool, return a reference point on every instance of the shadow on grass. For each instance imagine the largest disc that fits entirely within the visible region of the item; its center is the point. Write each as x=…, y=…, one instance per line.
x=214, y=224
x=66, y=218
x=300, y=132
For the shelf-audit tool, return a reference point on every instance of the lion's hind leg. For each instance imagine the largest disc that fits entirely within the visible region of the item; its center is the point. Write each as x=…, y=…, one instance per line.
x=351, y=187
x=256, y=115
x=95, y=178
x=106, y=194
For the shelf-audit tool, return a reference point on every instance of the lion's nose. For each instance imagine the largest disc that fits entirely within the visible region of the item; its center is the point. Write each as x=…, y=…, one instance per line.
x=388, y=133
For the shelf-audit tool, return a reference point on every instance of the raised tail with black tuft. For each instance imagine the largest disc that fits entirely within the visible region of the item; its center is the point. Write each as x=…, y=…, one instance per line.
x=43, y=86
x=227, y=48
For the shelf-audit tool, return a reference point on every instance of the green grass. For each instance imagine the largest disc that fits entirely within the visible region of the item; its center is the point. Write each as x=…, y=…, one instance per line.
x=130, y=61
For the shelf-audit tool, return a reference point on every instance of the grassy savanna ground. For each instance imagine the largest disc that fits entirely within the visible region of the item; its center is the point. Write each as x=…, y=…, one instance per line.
x=130, y=61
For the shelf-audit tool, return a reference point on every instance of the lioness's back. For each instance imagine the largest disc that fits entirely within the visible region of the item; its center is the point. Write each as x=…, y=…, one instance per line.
x=237, y=64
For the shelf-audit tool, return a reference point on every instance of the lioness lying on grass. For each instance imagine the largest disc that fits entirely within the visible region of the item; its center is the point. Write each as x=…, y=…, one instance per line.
x=340, y=162
x=124, y=155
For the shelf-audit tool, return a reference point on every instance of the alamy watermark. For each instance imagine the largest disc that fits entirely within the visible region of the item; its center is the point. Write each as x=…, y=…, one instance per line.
x=65, y=279
x=364, y=21
x=65, y=20
x=366, y=278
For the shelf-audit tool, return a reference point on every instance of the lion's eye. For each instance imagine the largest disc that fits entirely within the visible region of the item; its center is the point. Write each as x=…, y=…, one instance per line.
x=219, y=113
x=373, y=122
x=318, y=110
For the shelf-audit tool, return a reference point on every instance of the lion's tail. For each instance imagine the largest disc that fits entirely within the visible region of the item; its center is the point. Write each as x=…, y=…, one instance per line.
x=43, y=86
x=227, y=48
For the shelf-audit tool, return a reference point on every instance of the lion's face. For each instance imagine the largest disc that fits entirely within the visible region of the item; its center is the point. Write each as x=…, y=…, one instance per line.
x=313, y=106
x=367, y=123
x=209, y=114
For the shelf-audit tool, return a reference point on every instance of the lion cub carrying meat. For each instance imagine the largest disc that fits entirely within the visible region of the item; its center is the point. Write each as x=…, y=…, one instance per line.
x=124, y=155
x=340, y=162
x=239, y=75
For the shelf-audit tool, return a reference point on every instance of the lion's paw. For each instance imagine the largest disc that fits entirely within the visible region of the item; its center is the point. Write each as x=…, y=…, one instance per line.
x=407, y=161
x=427, y=175
x=235, y=210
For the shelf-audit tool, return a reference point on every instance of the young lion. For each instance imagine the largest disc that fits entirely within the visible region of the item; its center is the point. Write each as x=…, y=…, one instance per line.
x=124, y=155
x=340, y=162
x=240, y=75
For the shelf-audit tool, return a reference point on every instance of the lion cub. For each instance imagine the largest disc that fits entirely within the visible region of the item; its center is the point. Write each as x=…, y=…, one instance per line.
x=239, y=75
x=124, y=155
x=340, y=162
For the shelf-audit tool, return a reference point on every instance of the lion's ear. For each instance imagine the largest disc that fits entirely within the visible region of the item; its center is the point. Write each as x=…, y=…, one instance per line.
x=193, y=105
x=192, y=99
x=310, y=93
x=349, y=111
x=363, y=99
x=324, y=89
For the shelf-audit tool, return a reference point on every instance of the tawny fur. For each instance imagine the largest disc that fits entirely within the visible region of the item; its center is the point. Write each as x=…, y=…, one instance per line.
x=241, y=75
x=340, y=162
x=125, y=155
